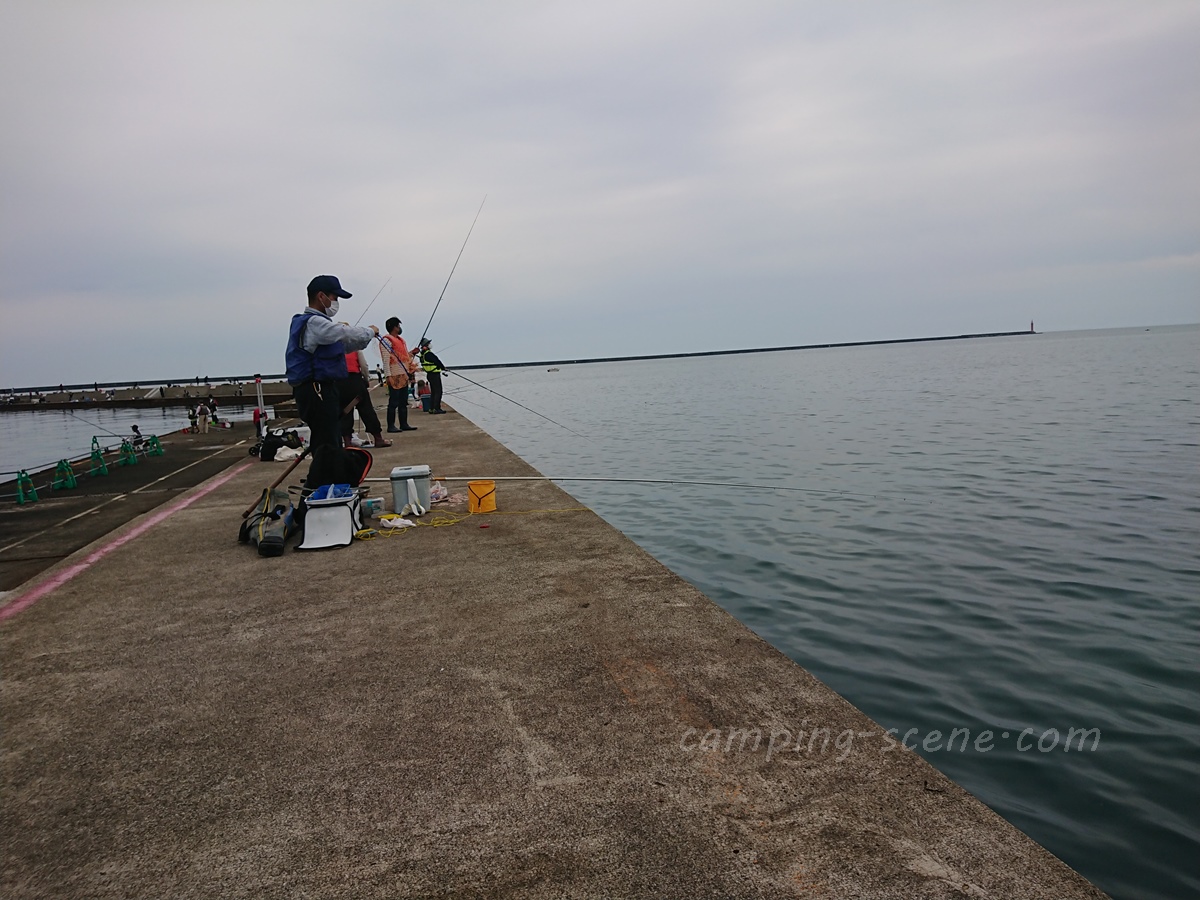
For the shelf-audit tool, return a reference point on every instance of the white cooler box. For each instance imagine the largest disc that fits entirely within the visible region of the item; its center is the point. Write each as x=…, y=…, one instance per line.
x=332, y=517
x=410, y=484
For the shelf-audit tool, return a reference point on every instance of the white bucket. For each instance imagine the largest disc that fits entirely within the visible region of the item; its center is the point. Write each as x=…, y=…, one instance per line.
x=401, y=476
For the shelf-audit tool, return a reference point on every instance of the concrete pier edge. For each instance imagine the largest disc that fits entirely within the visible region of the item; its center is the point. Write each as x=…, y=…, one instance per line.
x=514, y=710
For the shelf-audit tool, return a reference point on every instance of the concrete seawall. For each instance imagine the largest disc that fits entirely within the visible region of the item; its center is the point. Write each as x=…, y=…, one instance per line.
x=523, y=709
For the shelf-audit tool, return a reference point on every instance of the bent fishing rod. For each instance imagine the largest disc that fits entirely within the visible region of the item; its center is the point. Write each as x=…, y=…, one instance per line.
x=452, y=268
x=373, y=299
x=95, y=424
x=388, y=348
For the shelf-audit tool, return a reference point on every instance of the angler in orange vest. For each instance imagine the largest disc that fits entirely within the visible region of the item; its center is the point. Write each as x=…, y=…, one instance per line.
x=398, y=363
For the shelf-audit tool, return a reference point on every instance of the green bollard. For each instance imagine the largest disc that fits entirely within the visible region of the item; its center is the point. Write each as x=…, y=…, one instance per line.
x=128, y=457
x=26, y=492
x=98, y=465
x=64, y=476
x=153, y=447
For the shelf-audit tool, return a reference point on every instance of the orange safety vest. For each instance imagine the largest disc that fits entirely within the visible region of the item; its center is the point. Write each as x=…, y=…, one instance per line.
x=398, y=364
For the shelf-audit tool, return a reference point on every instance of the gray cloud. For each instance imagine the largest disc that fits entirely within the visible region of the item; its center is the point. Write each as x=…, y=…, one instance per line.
x=661, y=177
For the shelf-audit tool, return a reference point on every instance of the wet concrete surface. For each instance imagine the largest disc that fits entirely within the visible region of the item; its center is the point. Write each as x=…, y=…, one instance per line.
x=525, y=709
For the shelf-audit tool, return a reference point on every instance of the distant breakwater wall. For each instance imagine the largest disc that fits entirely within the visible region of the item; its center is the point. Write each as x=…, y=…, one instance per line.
x=269, y=399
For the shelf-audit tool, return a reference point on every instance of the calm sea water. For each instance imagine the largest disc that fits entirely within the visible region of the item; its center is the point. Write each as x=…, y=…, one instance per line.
x=1008, y=543
x=992, y=535
x=40, y=438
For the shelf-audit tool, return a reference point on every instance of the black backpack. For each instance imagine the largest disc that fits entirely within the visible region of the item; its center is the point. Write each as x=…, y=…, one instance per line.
x=272, y=441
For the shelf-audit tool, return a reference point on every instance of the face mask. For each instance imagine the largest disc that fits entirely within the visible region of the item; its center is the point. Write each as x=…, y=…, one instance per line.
x=399, y=331
x=332, y=309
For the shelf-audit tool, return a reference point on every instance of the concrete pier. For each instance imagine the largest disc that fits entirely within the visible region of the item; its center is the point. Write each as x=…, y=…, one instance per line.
x=524, y=709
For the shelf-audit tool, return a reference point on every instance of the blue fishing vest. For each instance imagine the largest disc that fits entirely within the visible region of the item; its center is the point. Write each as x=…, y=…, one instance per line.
x=328, y=363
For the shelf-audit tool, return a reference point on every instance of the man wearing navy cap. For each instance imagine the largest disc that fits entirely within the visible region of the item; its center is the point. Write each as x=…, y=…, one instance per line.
x=316, y=362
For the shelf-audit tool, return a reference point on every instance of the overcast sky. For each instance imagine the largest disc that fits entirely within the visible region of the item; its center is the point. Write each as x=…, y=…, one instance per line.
x=660, y=176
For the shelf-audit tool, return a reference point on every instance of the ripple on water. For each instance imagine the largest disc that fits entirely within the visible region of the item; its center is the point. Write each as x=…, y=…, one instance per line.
x=993, y=535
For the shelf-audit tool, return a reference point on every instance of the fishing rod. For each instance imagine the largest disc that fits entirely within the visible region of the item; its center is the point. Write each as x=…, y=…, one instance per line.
x=95, y=425
x=451, y=275
x=522, y=405
x=373, y=299
x=387, y=348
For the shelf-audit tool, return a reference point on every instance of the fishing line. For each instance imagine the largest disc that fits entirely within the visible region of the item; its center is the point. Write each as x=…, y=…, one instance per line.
x=729, y=484
x=459, y=398
x=522, y=405
x=501, y=377
x=94, y=425
x=452, y=268
x=373, y=299
x=725, y=484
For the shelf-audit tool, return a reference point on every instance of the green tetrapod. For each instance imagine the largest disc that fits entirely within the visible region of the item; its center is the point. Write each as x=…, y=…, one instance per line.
x=99, y=467
x=128, y=457
x=64, y=476
x=26, y=492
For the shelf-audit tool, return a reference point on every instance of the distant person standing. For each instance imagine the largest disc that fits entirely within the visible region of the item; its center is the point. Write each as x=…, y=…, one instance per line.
x=400, y=368
x=202, y=414
x=433, y=370
x=420, y=378
x=316, y=362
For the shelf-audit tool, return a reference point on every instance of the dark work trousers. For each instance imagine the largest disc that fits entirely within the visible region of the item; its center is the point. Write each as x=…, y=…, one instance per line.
x=356, y=385
x=435, y=390
x=320, y=406
x=397, y=405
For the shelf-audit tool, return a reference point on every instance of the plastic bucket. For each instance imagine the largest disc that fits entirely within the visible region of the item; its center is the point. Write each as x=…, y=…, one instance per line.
x=481, y=496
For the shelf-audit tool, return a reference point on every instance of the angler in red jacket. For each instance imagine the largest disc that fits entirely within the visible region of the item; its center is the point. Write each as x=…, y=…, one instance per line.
x=358, y=383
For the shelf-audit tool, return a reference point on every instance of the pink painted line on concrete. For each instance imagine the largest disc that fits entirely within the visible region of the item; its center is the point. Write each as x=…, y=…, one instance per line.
x=27, y=600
